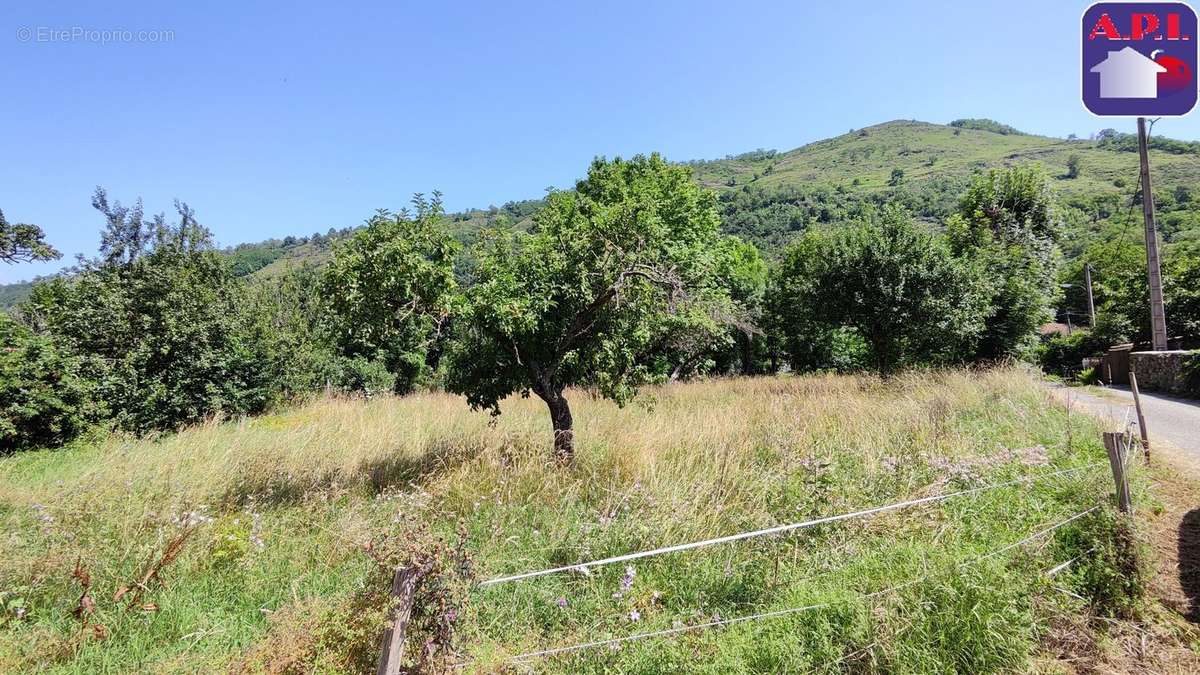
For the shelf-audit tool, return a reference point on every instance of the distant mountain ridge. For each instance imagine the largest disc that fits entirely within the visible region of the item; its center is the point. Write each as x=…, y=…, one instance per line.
x=769, y=196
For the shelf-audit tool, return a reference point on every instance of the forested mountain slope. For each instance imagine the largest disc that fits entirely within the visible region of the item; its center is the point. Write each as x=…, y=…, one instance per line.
x=769, y=197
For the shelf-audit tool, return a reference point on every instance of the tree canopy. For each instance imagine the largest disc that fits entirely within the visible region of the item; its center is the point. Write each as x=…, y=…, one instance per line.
x=390, y=288
x=1007, y=227
x=603, y=281
x=20, y=242
x=894, y=284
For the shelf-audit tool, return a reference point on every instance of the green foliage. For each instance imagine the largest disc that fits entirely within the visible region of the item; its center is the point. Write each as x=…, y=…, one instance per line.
x=1111, y=139
x=1063, y=355
x=156, y=325
x=1007, y=229
x=744, y=273
x=794, y=319
x=1191, y=374
x=1113, y=569
x=358, y=373
x=289, y=318
x=24, y=243
x=897, y=177
x=1073, y=166
x=984, y=124
x=1182, y=296
x=1089, y=376
x=231, y=541
x=43, y=399
x=390, y=288
x=615, y=276
x=12, y=294
x=897, y=286
x=1121, y=290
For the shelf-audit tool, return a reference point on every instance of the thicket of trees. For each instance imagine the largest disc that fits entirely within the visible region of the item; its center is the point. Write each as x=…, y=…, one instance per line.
x=636, y=275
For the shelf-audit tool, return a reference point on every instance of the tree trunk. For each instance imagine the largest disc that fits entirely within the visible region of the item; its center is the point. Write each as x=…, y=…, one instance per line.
x=560, y=420
x=748, y=365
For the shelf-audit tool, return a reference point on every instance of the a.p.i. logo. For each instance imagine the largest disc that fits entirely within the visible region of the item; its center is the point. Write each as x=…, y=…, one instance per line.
x=1139, y=58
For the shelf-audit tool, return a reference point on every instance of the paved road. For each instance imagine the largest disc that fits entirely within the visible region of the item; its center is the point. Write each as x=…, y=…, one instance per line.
x=1169, y=418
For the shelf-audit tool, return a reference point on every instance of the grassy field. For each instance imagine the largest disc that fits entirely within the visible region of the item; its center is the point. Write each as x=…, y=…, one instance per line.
x=247, y=537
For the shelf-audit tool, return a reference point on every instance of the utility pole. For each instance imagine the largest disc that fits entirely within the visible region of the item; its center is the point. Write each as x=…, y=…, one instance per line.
x=1087, y=278
x=1158, y=316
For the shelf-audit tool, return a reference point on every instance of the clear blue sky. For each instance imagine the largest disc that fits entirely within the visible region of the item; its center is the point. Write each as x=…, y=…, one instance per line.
x=290, y=119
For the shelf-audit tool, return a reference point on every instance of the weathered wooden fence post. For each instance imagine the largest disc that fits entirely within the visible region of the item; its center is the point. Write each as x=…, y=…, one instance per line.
x=1114, y=442
x=404, y=587
x=1137, y=403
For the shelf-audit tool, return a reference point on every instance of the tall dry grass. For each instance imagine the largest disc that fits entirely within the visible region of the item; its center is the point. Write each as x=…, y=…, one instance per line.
x=682, y=462
x=705, y=438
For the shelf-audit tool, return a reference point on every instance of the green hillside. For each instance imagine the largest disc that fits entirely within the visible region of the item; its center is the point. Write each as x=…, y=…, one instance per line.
x=769, y=197
x=863, y=160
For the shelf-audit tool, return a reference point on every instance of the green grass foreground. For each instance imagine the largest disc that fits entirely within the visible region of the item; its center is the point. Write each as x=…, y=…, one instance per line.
x=278, y=508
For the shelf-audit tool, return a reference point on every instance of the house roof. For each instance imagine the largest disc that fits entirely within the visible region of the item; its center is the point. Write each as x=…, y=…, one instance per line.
x=1125, y=58
x=1054, y=329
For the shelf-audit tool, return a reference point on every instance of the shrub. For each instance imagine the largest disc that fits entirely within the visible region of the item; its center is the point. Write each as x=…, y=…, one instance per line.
x=155, y=326
x=1191, y=374
x=1063, y=354
x=1089, y=376
x=370, y=376
x=1073, y=166
x=1113, y=568
x=43, y=400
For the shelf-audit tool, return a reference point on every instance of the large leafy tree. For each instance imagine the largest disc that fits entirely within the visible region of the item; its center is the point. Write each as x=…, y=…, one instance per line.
x=20, y=242
x=155, y=324
x=797, y=324
x=743, y=271
x=611, y=273
x=1006, y=226
x=390, y=288
x=894, y=284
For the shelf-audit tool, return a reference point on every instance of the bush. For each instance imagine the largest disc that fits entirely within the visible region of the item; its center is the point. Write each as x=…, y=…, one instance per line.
x=1089, y=376
x=157, y=329
x=1113, y=569
x=370, y=376
x=43, y=401
x=1073, y=166
x=1063, y=354
x=1191, y=374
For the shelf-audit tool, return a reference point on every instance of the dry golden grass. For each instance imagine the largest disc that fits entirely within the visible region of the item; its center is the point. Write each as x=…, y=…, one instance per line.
x=683, y=462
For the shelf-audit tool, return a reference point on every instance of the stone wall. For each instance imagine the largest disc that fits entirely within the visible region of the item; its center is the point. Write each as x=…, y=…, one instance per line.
x=1160, y=371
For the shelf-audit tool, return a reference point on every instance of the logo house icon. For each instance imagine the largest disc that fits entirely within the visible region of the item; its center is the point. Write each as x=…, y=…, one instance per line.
x=1139, y=58
x=1128, y=74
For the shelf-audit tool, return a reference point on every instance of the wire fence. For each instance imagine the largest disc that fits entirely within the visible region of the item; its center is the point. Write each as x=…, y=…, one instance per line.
x=720, y=623
x=1117, y=444
x=1124, y=441
x=781, y=529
